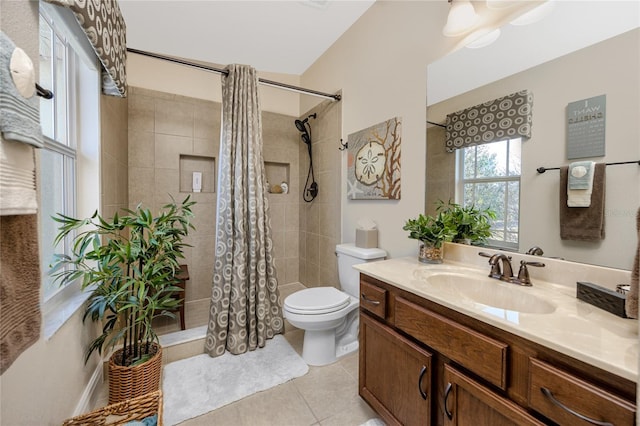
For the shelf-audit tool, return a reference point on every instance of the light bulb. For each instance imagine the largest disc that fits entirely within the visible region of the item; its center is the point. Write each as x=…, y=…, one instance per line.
x=462, y=17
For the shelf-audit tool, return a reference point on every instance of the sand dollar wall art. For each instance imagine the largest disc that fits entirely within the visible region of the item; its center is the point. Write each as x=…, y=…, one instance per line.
x=374, y=162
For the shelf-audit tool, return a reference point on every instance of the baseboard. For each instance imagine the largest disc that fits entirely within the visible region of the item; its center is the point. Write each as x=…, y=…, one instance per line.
x=91, y=391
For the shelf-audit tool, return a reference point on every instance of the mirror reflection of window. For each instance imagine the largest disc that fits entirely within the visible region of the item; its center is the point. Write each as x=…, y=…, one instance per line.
x=488, y=176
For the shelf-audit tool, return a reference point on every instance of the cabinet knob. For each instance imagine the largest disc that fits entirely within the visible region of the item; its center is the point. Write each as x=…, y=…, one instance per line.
x=557, y=403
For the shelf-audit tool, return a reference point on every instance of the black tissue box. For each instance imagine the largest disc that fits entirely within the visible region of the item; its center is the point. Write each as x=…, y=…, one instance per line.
x=602, y=298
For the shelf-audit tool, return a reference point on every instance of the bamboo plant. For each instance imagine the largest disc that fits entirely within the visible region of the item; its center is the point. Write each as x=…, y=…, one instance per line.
x=129, y=263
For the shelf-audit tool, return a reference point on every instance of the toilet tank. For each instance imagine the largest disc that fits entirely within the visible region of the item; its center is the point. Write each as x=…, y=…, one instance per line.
x=349, y=255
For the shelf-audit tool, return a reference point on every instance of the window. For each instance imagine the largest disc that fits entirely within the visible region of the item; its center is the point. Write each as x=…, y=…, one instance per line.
x=489, y=177
x=68, y=163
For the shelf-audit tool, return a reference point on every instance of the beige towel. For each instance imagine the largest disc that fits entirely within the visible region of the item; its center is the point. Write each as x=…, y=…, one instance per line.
x=20, y=316
x=631, y=304
x=583, y=223
x=17, y=179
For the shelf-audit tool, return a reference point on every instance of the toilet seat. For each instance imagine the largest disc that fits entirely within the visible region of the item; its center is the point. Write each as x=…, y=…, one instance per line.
x=316, y=301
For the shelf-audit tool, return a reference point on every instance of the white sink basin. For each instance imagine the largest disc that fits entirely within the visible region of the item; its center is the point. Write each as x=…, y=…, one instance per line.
x=489, y=292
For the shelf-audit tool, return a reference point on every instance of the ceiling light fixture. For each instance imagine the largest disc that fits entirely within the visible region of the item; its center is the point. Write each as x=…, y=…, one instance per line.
x=462, y=17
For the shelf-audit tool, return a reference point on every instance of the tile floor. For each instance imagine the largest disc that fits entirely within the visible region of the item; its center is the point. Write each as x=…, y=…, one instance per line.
x=325, y=396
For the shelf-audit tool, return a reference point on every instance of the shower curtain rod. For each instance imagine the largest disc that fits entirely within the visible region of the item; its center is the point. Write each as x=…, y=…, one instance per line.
x=335, y=97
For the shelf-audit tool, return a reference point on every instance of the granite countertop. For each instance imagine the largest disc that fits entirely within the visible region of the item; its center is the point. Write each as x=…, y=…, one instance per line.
x=574, y=327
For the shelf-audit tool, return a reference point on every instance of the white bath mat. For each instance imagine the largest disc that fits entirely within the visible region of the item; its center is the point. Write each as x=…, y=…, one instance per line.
x=197, y=385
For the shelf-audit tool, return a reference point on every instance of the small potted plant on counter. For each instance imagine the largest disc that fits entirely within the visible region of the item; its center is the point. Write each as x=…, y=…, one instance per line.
x=432, y=232
x=473, y=225
x=129, y=264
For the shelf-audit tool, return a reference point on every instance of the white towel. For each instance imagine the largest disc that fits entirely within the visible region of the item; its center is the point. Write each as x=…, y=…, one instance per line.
x=17, y=179
x=580, y=184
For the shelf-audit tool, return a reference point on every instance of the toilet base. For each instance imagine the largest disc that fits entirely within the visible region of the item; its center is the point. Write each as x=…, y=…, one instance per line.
x=319, y=347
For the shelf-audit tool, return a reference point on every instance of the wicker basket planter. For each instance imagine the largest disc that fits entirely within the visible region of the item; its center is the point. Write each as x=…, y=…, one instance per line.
x=131, y=382
x=123, y=412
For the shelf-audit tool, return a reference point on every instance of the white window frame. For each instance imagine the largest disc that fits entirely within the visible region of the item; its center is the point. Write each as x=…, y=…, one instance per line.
x=509, y=177
x=81, y=151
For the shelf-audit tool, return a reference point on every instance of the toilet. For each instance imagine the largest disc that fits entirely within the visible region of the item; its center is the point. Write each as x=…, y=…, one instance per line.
x=328, y=316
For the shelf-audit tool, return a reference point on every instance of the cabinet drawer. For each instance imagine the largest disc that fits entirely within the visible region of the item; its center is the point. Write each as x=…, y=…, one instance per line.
x=373, y=299
x=483, y=355
x=566, y=399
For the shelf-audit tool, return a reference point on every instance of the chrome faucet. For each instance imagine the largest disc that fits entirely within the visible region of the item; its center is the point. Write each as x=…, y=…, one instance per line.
x=507, y=270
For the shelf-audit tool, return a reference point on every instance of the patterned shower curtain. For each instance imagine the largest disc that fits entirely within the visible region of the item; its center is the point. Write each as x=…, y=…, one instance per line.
x=244, y=309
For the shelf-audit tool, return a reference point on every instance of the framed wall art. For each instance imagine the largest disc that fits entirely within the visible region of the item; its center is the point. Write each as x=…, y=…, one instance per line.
x=374, y=162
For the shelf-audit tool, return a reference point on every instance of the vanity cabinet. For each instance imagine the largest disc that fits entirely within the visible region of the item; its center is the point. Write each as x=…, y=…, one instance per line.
x=467, y=402
x=424, y=363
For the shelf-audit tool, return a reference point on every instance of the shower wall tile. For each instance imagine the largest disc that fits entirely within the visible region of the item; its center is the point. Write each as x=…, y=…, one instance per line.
x=141, y=186
x=168, y=180
x=313, y=275
x=278, y=244
x=205, y=147
x=204, y=218
x=292, y=217
x=168, y=149
x=320, y=219
x=313, y=217
x=206, y=123
x=141, y=113
x=141, y=148
x=277, y=216
x=174, y=118
x=313, y=248
x=327, y=252
x=291, y=270
x=291, y=244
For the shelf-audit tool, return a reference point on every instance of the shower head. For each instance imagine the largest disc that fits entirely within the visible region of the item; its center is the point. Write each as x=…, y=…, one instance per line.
x=305, y=138
x=301, y=125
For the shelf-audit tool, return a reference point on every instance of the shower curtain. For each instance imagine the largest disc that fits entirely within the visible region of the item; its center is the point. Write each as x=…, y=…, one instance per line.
x=244, y=310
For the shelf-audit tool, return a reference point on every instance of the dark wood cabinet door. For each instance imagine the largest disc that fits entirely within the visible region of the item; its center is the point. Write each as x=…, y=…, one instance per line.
x=468, y=403
x=395, y=375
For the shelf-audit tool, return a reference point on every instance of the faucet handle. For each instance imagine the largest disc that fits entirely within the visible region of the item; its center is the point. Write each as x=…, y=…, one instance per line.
x=523, y=273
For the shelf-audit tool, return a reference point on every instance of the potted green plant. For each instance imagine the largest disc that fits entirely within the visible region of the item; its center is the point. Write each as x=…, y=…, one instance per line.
x=473, y=225
x=129, y=264
x=431, y=231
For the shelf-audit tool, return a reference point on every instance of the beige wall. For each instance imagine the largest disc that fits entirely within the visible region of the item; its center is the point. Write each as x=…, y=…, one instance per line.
x=380, y=65
x=610, y=68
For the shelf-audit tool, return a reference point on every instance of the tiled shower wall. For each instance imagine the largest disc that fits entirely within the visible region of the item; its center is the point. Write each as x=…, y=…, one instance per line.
x=441, y=179
x=320, y=219
x=169, y=137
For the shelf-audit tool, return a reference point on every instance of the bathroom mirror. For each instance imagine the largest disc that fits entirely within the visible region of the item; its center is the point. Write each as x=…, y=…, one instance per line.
x=596, y=60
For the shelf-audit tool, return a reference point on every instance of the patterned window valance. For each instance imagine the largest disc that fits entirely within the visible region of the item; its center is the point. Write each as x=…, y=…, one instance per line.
x=507, y=117
x=104, y=25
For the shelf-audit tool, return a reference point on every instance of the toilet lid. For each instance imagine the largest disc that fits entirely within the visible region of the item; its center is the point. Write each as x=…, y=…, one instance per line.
x=317, y=300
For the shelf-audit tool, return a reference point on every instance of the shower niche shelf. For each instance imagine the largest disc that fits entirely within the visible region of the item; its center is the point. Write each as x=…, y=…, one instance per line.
x=277, y=173
x=196, y=163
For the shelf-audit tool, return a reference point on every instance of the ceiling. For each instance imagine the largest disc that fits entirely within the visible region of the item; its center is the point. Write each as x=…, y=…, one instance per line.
x=271, y=36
